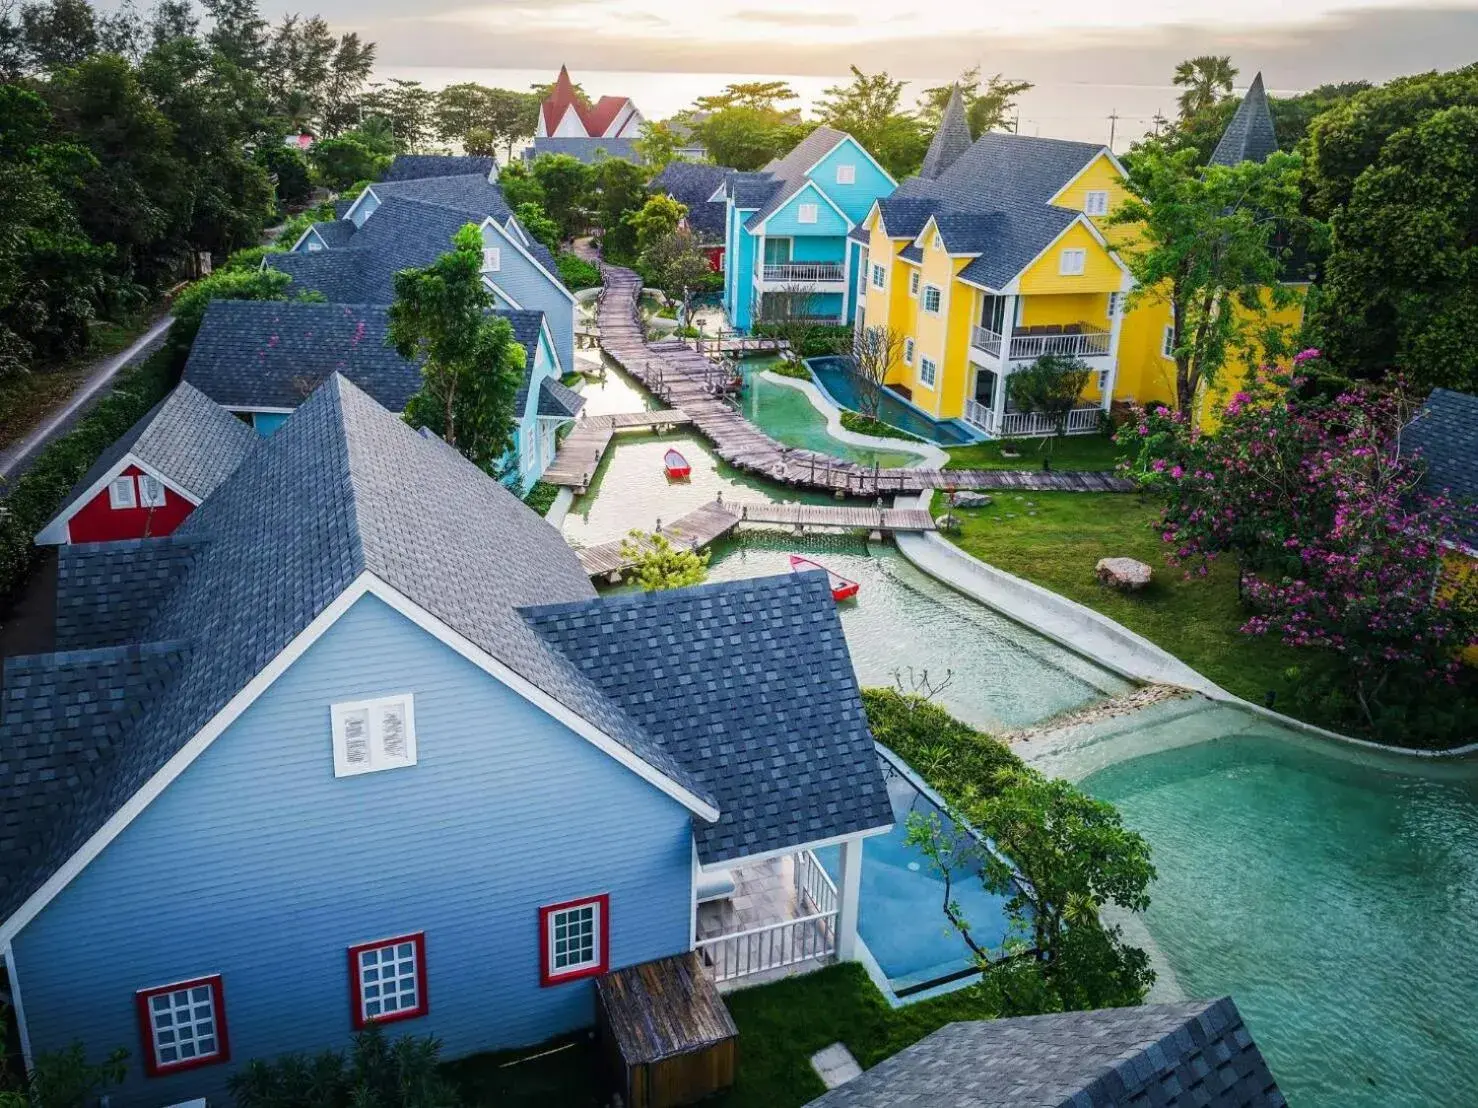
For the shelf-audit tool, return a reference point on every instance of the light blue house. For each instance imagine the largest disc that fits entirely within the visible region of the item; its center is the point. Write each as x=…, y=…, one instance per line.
x=359, y=744
x=785, y=230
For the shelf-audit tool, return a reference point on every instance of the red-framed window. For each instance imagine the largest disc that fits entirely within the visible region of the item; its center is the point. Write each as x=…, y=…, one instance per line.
x=387, y=980
x=574, y=939
x=183, y=1025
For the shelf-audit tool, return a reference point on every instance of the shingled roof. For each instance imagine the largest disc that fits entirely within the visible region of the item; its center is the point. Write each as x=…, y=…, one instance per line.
x=184, y=438
x=471, y=193
x=1250, y=136
x=784, y=177
x=409, y=167
x=1445, y=433
x=367, y=494
x=951, y=140
x=1198, y=1054
x=587, y=150
x=750, y=685
x=692, y=184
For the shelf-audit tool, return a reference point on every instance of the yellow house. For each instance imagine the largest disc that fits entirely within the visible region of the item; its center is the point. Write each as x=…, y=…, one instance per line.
x=999, y=252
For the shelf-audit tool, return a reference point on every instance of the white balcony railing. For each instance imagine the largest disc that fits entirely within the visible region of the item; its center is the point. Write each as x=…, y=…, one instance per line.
x=1031, y=346
x=1011, y=425
x=805, y=273
x=809, y=938
x=813, y=885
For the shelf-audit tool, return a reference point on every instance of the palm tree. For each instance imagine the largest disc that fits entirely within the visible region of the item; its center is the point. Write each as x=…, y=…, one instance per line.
x=299, y=111
x=1206, y=80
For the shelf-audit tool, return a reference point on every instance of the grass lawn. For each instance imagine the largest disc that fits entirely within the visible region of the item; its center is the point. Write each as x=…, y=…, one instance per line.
x=1086, y=452
x=1196, y=620
x=780, y=1027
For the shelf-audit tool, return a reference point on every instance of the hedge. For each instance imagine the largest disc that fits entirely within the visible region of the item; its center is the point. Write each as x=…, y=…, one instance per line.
x=541, y=497
x=821, y=339
x=36, y=496
x=946, y=752
x=867, y=425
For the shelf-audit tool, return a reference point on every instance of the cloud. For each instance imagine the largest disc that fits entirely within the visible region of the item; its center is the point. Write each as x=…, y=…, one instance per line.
x=797, y=19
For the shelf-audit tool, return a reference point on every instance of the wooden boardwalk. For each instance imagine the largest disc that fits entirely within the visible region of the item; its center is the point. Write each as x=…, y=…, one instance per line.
x=683, y=378
x=716, y=519
x=578, y=456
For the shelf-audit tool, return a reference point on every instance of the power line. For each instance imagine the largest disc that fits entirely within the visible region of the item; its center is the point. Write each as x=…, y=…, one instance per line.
x=1113, y=125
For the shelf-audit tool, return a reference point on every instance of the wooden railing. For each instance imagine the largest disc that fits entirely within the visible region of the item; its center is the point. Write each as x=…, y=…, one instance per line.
x=1080, y=421
x=803, y=272
x=1029, y=347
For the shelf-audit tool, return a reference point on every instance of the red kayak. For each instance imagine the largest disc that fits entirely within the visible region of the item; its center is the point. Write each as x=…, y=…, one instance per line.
x=841, y=587
x=676, y=465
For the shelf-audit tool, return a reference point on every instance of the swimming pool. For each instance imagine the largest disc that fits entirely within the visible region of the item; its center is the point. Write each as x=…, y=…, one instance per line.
x=900, y=917
x=836, y=378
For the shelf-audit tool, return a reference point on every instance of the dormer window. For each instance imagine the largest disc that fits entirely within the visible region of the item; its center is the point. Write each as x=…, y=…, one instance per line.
x=372, y=735
x=807, y=213
x=151, y=492
x=846, y=174
x=491, y=259
x=1096, y=202
x=1073, y=262
x=120, y=493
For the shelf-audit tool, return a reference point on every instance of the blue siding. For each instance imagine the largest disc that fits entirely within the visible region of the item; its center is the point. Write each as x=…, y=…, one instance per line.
x=742, y=246
x=258, y=864
x=531, y=288
x=817, y=248
x=536, y=436
x=366, y=209
x=855, y=199
x=828, y=221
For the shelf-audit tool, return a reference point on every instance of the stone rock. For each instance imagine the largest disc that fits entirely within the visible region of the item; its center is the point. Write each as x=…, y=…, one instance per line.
x=972, y=500
x=1124, y=574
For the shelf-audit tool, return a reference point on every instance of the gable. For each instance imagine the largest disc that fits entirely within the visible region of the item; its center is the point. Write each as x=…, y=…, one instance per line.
x=1103, y=172
x=786, y=218
x=869, y=179
x=1100, y=271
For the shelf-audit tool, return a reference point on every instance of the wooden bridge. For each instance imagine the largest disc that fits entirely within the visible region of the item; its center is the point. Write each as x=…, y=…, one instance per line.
x=736, y=342
x=676, y=373
x=718, y=518
x=578, y=456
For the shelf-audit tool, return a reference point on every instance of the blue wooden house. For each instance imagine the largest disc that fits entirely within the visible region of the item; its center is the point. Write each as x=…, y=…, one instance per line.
x=786, y=230
x=359, y=744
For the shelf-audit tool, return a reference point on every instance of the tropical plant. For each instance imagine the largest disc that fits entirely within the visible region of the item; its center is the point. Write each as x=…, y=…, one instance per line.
x=986, y=109
x=565, y=187
x=659, y=217
x=657, y=144
x=339, y=162
x=1049, y=386
x=793, y=312
x=378, y=1073
x=224, y=284
x=59, y=1079
x=744, y=137
x=532, y=219
x=620, y=189
x=657, y=565
x=676, y=264
x=1206, y=80
x=869, y=110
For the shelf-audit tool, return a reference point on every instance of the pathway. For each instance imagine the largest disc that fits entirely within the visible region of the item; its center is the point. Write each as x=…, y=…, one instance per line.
x=676, y=373
x=18, y=458
x=578, y=456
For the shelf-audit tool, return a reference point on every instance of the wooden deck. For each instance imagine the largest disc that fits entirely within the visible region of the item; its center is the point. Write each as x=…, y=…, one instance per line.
x=578, y=456
x=684, y=379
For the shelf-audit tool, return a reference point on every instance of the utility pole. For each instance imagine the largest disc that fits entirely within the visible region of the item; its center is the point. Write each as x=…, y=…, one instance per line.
x=1113, y=125
x=1159, y=122
x=1016, y=123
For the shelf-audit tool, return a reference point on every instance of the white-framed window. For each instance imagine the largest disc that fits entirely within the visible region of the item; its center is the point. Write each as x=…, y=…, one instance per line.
x=183, y=1025
x=913, y=283
x=575, y=936
x=151, y=492
x=314, y=245
x=1102, y=381
x=1095, y=202
x=932, y=299
x=1167, y=343
x=908, y=347
x=928, y=371
x=120, y=493
x=372, y=735
x=388, y=979
x=938, y=241
x=879, y=276
x=492, y=259
x=1074, y=260
x=1115, y=304
x=846, y=174
x=807, y=213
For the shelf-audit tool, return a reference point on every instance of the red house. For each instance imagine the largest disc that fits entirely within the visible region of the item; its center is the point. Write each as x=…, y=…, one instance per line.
x=147, y=482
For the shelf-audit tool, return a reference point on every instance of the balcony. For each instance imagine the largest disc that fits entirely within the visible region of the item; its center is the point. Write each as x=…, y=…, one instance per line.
x=781, y=919
x=804, y=273
x=1013, y=425
x=1074, y=340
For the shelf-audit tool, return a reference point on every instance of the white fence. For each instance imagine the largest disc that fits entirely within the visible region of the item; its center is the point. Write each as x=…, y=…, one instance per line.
x=805, y=272
x=1080, y=421
x=811, y=938
x=1029, y=347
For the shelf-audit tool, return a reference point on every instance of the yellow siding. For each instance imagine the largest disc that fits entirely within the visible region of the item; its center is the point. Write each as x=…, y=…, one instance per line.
x=1238, y=371
x=1082, y=307
x=1099, y=175
x=933, y=330
x=1100, y=273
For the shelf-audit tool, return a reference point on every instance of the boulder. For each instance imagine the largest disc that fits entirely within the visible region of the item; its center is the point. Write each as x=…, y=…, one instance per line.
x=972, y=500
x=1124, y=574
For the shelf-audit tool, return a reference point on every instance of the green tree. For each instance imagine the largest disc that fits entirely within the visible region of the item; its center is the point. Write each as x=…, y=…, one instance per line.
x=659, y=217
x=657, y=144
x=676, y=264
x=1208, y=244
x=339, y=162
x=869, y=110
x=760, y=96
x=1401, y=281
x=1206, y=79
x=289, y=170
x=658, y=565
x=471, y=366
x=519, y=185
x=532, y=219
x=1059, y=858
x=238, y=32
x=1049, y=386
x=58, y=33
x=225, y=284
x=459, y=110
x=620, y=189
x=338, y=101
x=745, y=138
x=409, y=107
x=511, y=117
x=379, y=1073
x=987, y=109
x=565, y=183
x=1292, y=116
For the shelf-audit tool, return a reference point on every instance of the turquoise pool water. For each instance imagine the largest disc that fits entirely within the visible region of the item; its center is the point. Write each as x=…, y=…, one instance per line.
x=1334, y=894
x=835, y=376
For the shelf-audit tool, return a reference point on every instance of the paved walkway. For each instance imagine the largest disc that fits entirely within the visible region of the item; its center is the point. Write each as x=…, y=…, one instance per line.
x=16, y=460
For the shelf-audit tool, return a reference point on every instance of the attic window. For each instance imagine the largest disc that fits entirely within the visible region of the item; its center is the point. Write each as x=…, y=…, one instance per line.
x=372, y=735
x=1073, y=262
x=491, y=259
x=314, y=245
x=807, y=213
x=846, y=174
x=1096, y=202
x=120, y=493
x=151, y=492
x=938, y=241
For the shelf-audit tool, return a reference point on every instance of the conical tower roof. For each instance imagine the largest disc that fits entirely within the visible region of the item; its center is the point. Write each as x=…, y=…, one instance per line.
x=951, y=140
x=1249, y=137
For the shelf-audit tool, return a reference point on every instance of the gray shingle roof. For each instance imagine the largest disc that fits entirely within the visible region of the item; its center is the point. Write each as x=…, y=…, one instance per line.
x=691, y=184
x=1197, y=1054
x=1445, y=432
x=335, y=233
x=1250, y=136
x=274, y=354
x=789, y=173
x=951, y=140
x=409, y=167
x=107, y=592
x=472, y=193
x=587, y=150
x=752, y=689
x=185, y=437
x=558, y=399
x=751, y=190
x=342, y=488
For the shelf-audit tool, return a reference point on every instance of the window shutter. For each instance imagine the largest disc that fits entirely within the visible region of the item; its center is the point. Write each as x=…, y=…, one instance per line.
x=371, y=735
x=491, y=259
x=846, y=174
x=807, y=213
x=357, y=738
x=1096, y=203
x=120, y=493
x=392, y=730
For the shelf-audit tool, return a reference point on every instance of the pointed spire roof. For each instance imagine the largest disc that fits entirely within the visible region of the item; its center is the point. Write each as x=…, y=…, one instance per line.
x=951, y=140
x=560, y=98
x=1250, y=136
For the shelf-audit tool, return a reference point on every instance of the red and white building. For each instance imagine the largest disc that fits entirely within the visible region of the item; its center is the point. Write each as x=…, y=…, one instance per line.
x=147, y=482
x=563, y=115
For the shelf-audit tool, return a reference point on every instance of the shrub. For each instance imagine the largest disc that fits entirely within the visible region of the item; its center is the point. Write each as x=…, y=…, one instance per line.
x=866, y=425
x=290, y=168
x=948, y=753
x=577, y=273
x=821, y=339
x=378, y=1072
x=227, y=284
x=657, y=564
x=541, y=497
x=791, y=369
